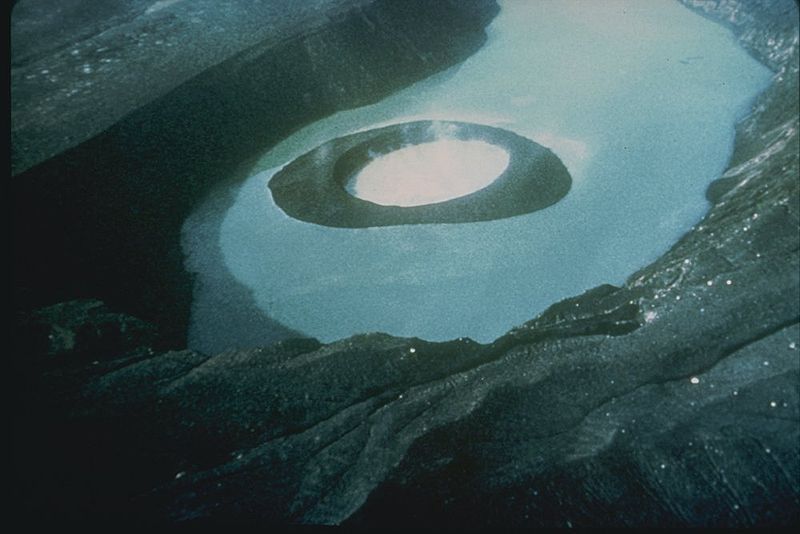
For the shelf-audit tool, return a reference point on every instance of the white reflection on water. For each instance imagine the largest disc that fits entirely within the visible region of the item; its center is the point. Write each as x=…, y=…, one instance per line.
x=429, y=172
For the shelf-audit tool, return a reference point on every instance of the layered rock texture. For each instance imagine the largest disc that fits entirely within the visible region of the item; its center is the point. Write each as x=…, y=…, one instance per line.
x=670, y=401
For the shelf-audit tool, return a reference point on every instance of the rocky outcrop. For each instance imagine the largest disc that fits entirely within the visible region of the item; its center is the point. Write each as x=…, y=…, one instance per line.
x=670, y=401
x=82, y=327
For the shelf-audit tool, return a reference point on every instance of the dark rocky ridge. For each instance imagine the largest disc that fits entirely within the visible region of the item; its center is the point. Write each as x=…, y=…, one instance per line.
x=672, y=400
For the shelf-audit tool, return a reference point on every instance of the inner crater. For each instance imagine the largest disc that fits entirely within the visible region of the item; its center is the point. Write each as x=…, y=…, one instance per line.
x=427, y=173
x=420, y=172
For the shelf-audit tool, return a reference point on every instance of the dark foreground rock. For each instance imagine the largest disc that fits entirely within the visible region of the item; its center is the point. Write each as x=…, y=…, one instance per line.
x=671, y=401
x=83, y=328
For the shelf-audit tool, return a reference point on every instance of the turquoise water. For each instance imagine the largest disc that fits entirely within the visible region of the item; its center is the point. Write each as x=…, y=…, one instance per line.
x=638, y=99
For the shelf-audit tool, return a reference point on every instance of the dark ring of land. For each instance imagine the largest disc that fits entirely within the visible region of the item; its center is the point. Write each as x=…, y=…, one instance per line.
x=312, y=187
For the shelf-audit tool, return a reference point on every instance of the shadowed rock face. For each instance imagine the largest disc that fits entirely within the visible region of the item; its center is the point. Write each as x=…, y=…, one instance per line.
x=672, y=400
x=79, y=66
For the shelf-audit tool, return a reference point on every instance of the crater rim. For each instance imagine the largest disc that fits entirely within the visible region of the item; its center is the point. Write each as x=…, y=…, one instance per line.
x=313, y=187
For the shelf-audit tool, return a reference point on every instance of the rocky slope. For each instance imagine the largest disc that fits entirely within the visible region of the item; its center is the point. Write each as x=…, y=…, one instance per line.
x=670, y=401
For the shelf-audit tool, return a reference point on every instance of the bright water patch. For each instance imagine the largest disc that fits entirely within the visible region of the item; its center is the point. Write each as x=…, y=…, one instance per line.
x=429, y=172
x=638, y=99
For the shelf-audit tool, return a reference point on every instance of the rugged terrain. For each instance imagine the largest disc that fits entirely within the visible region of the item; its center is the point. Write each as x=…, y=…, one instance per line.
x=672, y=400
